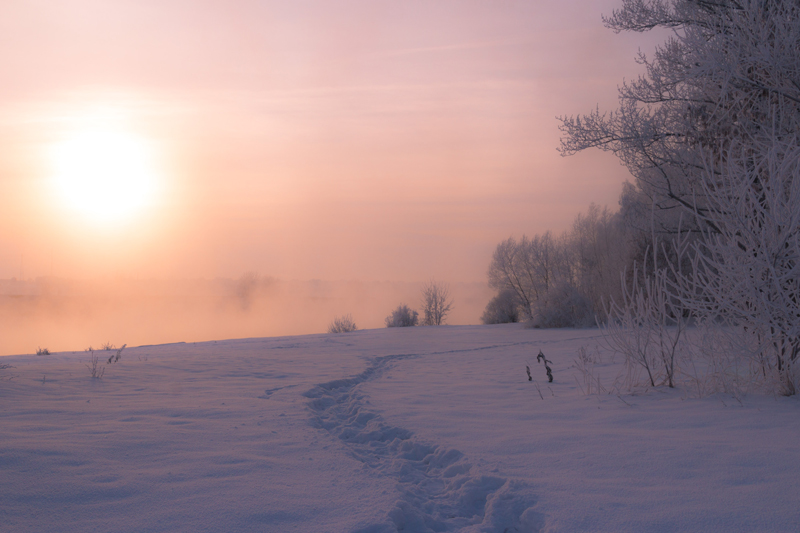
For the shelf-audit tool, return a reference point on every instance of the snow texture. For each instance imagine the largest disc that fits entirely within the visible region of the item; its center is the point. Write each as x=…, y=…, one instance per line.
x=399, y=429
x=440, y=491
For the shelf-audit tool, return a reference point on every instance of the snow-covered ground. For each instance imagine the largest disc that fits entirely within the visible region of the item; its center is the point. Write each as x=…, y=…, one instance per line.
x=402, y=429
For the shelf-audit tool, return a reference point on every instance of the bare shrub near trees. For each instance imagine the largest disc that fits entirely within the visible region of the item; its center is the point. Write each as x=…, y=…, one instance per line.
x=648, y=324
x=402, y=317
x=436, y=303
x=712, y=129
x=342, y=324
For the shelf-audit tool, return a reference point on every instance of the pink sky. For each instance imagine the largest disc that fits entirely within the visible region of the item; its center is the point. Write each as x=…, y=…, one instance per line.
x=365, y=140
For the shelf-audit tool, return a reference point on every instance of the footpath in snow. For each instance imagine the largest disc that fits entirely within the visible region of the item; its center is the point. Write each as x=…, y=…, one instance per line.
x=401, y=429
x=439, y=488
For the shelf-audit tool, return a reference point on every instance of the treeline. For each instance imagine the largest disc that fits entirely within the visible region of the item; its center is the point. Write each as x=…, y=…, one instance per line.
x=567, y=280
x=709, y=233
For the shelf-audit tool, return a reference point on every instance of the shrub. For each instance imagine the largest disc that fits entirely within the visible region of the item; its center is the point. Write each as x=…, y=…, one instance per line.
x=402, y=317
x=502, y=309
x=42, y=351
x=94, y=367
x=342, y=324
x=563, y=307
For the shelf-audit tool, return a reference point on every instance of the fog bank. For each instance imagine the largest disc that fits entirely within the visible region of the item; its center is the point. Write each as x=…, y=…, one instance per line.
x=68, y=315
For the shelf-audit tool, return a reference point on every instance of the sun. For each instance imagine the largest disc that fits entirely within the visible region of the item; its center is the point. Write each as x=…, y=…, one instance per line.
x=105, y=175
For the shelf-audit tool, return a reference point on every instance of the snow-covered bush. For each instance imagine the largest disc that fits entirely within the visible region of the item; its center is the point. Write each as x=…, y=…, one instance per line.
x=563, y=306
x=342, y=324
x=402, y=317
x=502, y=309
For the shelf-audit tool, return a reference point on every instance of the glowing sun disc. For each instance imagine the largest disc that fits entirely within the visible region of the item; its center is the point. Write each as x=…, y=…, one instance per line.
x=104, y=175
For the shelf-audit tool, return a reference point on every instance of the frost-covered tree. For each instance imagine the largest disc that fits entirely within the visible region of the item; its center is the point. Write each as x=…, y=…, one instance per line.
x=402, y=317
x=529, y=268
x=721, y=76
x=503, y=308
x=748, y=270
x=600, y=247
x=436, y=303
x=561, y=281
x=710, y=131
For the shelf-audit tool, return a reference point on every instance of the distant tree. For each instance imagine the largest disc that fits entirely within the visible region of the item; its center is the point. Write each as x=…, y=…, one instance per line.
x=402, y=317
x=436, y=303
x=246, y=287
x=502, y=309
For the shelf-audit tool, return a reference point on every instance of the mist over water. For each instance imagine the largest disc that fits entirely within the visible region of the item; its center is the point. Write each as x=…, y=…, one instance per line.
x=70, y=315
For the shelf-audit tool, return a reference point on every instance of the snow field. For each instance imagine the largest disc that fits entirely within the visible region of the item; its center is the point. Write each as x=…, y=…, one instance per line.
x=400, y=429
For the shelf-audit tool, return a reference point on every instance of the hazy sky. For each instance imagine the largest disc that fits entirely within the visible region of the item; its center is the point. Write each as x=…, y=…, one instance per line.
x=371, y=140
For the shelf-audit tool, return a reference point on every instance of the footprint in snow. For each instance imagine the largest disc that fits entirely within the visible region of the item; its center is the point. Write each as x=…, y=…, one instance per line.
x=439, y=489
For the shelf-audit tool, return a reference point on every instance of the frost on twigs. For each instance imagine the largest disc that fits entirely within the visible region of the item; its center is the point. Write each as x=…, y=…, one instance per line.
x=403, y=316
x=710, y=132
x=585, y=366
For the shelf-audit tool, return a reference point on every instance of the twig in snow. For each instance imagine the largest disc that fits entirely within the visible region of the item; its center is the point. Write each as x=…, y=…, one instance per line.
x=115, y=357
x=547, y=362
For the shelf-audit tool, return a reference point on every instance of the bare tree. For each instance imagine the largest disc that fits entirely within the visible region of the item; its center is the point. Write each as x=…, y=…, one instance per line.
x=529, y=268
x=436, y=303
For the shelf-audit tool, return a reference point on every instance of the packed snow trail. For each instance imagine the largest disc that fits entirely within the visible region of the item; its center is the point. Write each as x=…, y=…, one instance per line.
x=439, y=489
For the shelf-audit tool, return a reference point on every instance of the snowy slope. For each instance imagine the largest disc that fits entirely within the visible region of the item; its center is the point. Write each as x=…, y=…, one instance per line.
x=412, y=429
